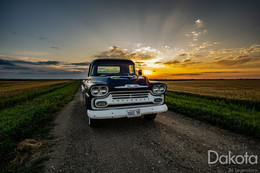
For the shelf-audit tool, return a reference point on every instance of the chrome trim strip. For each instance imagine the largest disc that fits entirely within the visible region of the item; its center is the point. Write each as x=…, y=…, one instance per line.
x=132, y=86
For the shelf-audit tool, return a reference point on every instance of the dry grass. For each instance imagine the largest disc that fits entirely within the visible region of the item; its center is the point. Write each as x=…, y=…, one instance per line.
x=10, y=88
x=28, y=150
x=248, y=90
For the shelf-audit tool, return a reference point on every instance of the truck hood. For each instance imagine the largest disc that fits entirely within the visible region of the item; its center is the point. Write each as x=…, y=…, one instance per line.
x=121, y=82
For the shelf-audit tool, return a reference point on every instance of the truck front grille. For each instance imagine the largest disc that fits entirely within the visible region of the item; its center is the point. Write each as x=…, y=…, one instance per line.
x=126, y=99
x=130, y=96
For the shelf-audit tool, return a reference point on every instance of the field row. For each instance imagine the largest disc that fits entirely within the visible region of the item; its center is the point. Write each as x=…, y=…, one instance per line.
x=26, y=118
x=11, y=88
x=239, y=117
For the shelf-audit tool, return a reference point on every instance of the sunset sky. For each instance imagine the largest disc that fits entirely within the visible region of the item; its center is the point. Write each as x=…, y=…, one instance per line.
x=190, y=39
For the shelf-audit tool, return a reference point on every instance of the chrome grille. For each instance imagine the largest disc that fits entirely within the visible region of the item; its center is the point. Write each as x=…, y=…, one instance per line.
x=129, y=95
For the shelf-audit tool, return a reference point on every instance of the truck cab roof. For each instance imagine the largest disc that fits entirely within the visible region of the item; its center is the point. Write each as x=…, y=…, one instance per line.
x=110, y=59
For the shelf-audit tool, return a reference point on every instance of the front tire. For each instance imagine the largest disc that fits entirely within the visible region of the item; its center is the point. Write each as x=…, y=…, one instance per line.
x=92, y=122
x=150, y=117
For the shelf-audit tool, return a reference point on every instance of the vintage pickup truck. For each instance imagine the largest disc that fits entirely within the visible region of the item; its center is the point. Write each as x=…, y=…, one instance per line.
x=114, y=90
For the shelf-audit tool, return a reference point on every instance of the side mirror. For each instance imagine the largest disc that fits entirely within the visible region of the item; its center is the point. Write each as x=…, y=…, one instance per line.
x=140, y=72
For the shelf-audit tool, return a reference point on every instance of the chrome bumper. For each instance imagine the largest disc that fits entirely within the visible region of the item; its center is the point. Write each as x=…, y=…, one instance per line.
x=121, y=113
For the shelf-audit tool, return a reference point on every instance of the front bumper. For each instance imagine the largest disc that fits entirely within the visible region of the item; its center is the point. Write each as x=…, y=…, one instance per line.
x=121, y=113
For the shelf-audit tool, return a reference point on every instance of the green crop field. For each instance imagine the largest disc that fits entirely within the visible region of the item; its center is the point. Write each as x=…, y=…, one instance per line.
x=230, y=104
x=27, y=105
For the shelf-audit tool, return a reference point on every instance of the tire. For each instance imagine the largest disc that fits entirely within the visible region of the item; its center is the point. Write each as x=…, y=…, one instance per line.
x=93, y=122
x=150, y=116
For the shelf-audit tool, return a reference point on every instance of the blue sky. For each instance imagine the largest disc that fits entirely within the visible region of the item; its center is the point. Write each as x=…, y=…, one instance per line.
x=218, y=34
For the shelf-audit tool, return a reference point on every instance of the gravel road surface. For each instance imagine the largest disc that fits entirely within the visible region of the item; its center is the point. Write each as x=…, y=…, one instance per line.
x=170, y=143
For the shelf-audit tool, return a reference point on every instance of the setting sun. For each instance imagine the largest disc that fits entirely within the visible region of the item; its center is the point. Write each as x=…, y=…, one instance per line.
x=147, y=72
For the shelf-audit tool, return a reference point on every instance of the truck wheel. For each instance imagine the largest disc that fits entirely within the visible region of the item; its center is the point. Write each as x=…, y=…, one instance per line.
x=92, y=122
x=150, y=116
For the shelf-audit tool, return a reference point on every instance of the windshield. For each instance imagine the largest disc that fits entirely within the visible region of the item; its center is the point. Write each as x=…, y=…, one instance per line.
x=113, y=68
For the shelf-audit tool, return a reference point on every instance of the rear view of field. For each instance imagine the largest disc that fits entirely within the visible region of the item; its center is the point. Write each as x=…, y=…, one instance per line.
x=248, y=90
x=26, y=106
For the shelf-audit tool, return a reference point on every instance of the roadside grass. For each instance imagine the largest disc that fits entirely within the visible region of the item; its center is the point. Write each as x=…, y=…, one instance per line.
x=23, y=120
x=241, y=117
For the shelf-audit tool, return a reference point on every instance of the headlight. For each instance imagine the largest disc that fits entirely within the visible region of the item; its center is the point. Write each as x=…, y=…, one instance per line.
x=103, y=90
x=159, y=88
x=99, y=90
x=155, y=89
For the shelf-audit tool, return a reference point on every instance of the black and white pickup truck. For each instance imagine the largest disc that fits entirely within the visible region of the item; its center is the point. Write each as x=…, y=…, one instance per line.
x=114, y=90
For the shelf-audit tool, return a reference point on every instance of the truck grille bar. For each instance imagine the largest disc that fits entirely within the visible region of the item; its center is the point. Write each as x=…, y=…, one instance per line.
x=130, y=96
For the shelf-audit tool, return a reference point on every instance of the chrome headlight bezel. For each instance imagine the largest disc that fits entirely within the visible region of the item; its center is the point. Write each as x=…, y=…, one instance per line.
x=99, y=91
x=159, y=88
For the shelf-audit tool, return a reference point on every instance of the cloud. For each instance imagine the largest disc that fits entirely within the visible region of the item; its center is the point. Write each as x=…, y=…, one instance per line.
x=207, y=44
x=253, y=49
x=142, y=53
x=55, y=47
x=229, y=61
x=172, y=62
x=199, y=23
x=182, y=63
x=140, y=64
x=215, y=52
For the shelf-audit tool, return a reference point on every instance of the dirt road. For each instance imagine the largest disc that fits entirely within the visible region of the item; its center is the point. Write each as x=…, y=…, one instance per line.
x=171, y=143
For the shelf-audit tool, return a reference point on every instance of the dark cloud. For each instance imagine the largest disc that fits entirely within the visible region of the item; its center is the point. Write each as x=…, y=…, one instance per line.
x=22, y=69
x=187, y=60
x=23, y=62
x=182, y=63
x=114, y=52
x=232, y=60
x=13, y=62
x=183, y=54
x=55, y=47
x=6, y=62
x=172, y=62
x=29, y=62
x=8, y=65
x=81, y=69
x=80, y=64
x=43, y=38
x=48, y=63
x=15, y=67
